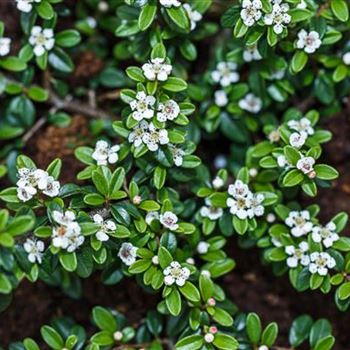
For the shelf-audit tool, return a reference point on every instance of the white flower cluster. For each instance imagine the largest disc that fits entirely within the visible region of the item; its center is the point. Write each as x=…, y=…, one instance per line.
x=175, y=273
x=26, y=5
x=193, y=15
x=210, y=212
x=5, y=46
x=157, y=69
x=301, y=225
x=244, y=203
x=250, y=103
x=33, y=180
x=105, y=227
x=42, y=40
x=105, y=154
x=67, y=234
x=170, y=3
x=279, y=18
x=168, y=219
x=309, y=42
x=127, y=253
x=225, y=73
x=35, y=249
x=301, y=130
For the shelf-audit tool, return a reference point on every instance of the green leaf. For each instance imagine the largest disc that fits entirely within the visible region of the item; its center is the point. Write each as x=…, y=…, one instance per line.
x=159, y=177
x=52, y=337
x=173, y=302
x=135, y=73
x=190, y=292
x=269, y=335
x=68, y=261
x=320, y=329
x=179, y=16
x=147, y=15
x=104, y=319
x=300, y=330
x=344, y=291
x=240, y=226
x=174, y=84
x=100, y=182
x=253, y=327
x=225, y=342
x=37, y=94
x=165, y=257
x=5, y=284
x=340, y=10
x=13, y=64
x=299, y=61
x=60, y=61
x=45, y=10
x=325, y=172
x=192, y=342
x=67, y=38
x=293, y=178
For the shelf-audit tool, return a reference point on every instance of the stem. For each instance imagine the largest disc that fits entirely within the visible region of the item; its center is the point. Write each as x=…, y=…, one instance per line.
x=36, y=126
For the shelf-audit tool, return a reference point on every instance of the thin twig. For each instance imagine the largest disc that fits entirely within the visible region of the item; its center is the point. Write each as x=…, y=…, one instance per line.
x=36, y=126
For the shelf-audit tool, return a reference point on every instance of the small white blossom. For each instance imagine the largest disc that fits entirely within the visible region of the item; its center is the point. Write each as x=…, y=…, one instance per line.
x=325, y=234
x=250, y=103
x=309, y=42
x=253, y=172
x=305, y=164
x=218, y=182
x=263, y=347
x=279, y=16
x=154, y=137
x=299, y=222
x=283, y=162
x=26, y=5
x=67, y=235
x=221, y=98
x=127, y=253
x=105, y=227
x=142, y=106
x=52, y=188
x=155, y=260
x=137, y=134
x=190, y=261
x=270, y=218
x=193, y=15
x=320, y=263
x=202, y=247
x=169, y=220
x=174, y=273
x=277, y=74
x=302, y=5
x=206, y=273
x=157, y=69
x=170, y=3
x=34, y=249
x=302, y=126
x=238, y=189
x=104, y=153
x=220, y=161
x=251, y=12
x=103, y=6
x=168, y=111
x=256, y=207
x=274, y=136
x=150, y=216
x=209, y=338
x=297, y=255
x=177, y=154
x=297, y=140
x=346, y=58
x=210, y=212
x=118, y=336
x=5, y=46
x=42, y=40
x=225, y=73
x=251, y=53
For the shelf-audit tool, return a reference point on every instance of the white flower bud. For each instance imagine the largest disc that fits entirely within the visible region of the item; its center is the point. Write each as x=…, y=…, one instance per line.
x=209, y=338
x=270, y=218
x=211, y=302
x=190, y=261
x=206, y=273
x=103, y=6
x=202, y=247
x=218, y=182
x=118, y=336
x=155, y=260
x=136, y=200
x=346, y=58
x=253, y=172
x=263, y=347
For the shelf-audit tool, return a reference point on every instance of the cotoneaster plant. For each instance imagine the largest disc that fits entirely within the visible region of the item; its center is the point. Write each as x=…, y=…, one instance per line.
x=153, y=202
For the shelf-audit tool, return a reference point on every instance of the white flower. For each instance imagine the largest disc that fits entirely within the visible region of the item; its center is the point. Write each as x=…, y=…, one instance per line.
x=168, y=111
x=91, y=22
x=263, y=347
x=169, y=220
x=253, y=172
x=155, y=137
x=193, y=15
x=177, y=154
x=251, y=53
x=279, y=16
x=297, y=140
x=155, y=260
x=270, y=218
x=5, y=46
x=225, y=73
x=297, y=255
x=238, y=189
x=320, y=263
x=34, y=249
x=251, y=12
x=68, y=234
x=277, y=74
x=211, y=212
x=157, y=69
x=346, y=58
x=52, y=188
x=221, y=98
x=26, y=193
x=104, y=153
x=127, y=253
x=150, y=216
x=283, y=162
x=300, y=223
x=103, y=6
x=106, y=227
x=310, y=42
x=305, y=164
x=25, y=5
x=137, y=134
x=240, y=204
x=302, y=5
x=202, y=247
x=174, y=273
x=142, y=106
x=302, y=126
x=250, y=103
x=325, y=234
x=218, y=182
x=118, y=336
x=42, y=40
x=274, y=136
x=256, y=207
x=209, y=338
x=170, y=3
